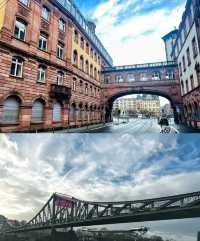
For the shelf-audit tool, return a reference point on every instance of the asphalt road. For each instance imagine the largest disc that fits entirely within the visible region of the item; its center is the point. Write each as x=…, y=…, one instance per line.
x=139, y=126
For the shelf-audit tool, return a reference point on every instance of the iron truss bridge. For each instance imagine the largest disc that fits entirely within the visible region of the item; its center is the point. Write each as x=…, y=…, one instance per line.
x=62, y=211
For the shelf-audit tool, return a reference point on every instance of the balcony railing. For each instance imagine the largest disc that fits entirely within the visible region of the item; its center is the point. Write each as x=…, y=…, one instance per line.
x=60, y=92
x=140, y=66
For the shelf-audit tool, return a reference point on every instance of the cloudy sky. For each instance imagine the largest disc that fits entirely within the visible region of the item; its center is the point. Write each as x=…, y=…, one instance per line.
x=99, y=167
x=131, y=30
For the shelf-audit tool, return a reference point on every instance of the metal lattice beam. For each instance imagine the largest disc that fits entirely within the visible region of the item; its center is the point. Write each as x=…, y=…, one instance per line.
x=63, y=211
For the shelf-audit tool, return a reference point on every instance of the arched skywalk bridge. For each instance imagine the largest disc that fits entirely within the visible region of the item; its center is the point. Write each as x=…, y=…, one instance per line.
x=62, y=211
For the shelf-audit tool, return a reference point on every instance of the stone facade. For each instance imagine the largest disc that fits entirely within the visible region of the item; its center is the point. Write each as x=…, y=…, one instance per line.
x=187, y=54
x=77, y=101
x=148, y=105
x=157, y=79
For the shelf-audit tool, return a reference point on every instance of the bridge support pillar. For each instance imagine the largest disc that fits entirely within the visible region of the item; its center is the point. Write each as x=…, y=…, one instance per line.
x=63, y=236
x=178, y=113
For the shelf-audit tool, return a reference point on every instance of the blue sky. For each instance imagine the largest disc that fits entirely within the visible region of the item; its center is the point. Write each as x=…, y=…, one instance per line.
x=99, y=167
x=131, y=30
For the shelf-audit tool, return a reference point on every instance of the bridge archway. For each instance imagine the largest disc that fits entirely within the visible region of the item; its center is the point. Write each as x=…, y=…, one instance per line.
x=175, y=105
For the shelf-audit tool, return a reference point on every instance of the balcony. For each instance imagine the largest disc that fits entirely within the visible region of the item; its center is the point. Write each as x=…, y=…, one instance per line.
x=60, y=92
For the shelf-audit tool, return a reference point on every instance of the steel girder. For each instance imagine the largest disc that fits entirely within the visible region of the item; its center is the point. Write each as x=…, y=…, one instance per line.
x=63, y=211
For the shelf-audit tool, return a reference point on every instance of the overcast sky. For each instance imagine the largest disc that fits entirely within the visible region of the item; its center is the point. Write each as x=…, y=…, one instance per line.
x=99, y=167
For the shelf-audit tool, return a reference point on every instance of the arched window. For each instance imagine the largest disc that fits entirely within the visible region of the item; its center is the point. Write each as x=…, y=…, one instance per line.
x=81, y=86
x=75, y=36
x=20, y=29
x=38, y=111
x=95, y=57
x=82, y=63
x=95, y=73
x=87, y=48
x=86, y=113
x=87, y=67
x=82, y=43
x=92, y=52
x=57, y=112
x=74, y=84
x=11, y=109
x=75, y=58
x=73, y=112
x=60, y=78
x=86, y=89
x=79, y=112
x=41, y=77
x=17, y=67
x=91, y=70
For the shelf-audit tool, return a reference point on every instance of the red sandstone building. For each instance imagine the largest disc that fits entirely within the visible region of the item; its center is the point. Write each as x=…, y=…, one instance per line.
x=50, y=65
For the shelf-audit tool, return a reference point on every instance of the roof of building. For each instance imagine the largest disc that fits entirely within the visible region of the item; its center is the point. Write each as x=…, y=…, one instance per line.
x=172, y=34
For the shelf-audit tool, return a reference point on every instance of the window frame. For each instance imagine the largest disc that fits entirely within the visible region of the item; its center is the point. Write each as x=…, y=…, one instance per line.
x=17, y=64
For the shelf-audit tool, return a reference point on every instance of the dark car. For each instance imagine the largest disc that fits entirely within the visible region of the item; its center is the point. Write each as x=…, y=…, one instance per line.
x=163, y=122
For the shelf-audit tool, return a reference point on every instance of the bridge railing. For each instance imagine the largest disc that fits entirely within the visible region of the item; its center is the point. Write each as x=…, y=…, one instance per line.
x=139, y=66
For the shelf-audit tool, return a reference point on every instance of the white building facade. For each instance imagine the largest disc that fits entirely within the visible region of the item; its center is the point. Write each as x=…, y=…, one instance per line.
x=186, y=52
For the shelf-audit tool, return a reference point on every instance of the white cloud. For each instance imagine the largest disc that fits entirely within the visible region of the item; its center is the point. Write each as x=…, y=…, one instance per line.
x=137, y=48
x=90, y=167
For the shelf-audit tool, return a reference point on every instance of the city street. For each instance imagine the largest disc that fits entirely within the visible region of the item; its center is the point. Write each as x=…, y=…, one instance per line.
x=140, y=126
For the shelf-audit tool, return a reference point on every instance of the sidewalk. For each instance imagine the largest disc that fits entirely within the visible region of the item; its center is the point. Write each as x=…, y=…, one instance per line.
x=84, y=129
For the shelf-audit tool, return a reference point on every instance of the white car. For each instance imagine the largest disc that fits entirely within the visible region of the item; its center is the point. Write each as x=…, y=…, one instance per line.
x=168, y=130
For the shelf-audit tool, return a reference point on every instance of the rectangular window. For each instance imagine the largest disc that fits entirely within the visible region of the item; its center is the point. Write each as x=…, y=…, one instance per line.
x=20, y=30
x=170, y=75
x=60, y=51
x=194, y=47
x=119, y=78
x=184, y=65
x=186, y=85
x=25, y=2
x=192, y=81
x=16, y=67
x=41, y=74
x=131, y=77
x=156, y=76
x=43, y=43
x=45, y=13
x=180, y=69
x=62, y=25
x=107, y=79
x=188, y=56
x=143, y=76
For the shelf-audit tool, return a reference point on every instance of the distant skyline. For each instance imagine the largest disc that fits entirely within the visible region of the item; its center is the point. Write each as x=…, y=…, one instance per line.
x=99, y=168
x=131, y=30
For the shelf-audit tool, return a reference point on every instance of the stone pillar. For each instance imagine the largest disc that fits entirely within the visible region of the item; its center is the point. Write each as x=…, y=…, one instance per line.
x=65, y=117
x=48, y=117
x=25, y=120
